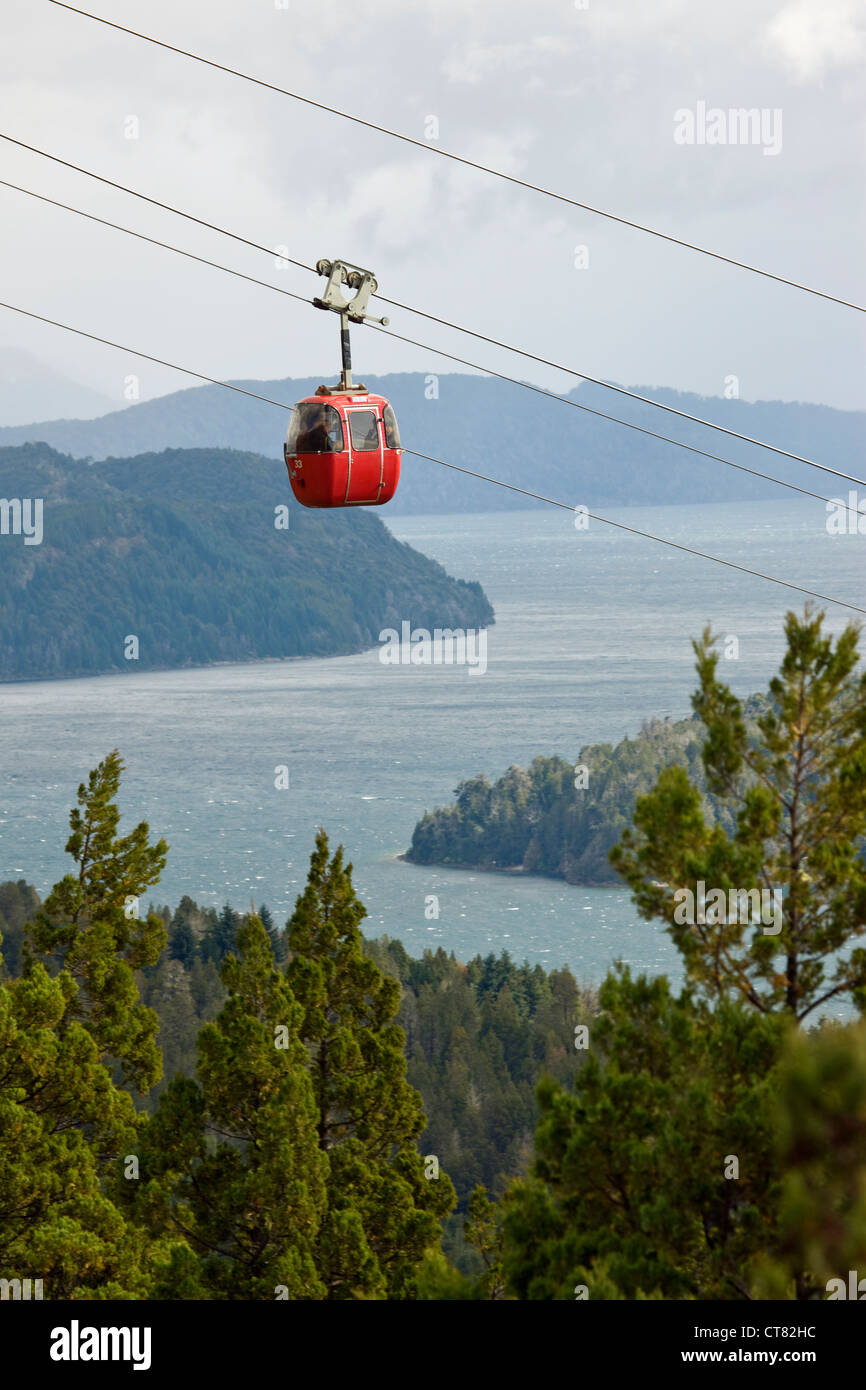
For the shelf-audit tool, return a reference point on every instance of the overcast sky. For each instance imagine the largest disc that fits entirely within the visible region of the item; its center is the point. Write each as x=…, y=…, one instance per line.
x=582, y=100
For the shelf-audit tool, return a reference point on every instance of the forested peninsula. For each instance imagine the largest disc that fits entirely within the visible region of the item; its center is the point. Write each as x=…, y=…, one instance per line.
x=200, y=556
x=560, y=818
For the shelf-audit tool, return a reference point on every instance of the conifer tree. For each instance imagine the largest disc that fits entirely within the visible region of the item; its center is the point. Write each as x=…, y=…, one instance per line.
x=656, y=1177
x=278, y=944
x=230, y=1162
x=799, y=789
x=483, y=1232
x=820, y=1123
x=62, y=1117
x=661, y=1175
x=440, y=1281
x=382, y=1212
x=219, y=939
x=182, y=944
x=59, y=1110
x=89, y=927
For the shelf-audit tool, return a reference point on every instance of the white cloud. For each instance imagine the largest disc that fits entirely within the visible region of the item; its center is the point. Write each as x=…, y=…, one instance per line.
x=810, y=39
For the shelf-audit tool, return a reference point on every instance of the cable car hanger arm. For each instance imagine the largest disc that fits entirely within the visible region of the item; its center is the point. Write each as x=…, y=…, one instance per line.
x=364, y=283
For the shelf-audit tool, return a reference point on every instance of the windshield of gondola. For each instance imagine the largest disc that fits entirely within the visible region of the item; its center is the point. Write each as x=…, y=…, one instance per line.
x=314, y=429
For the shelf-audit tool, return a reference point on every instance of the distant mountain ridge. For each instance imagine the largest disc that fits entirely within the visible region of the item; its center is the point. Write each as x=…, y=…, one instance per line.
x=180, y=550
x=27, y=385
x=494, y=427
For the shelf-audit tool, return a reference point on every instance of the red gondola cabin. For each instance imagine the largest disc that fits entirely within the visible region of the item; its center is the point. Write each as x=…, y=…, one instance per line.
x=342, y=449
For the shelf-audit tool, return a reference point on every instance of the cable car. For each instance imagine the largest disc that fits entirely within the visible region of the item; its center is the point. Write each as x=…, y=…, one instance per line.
x=342, y=446
x=342, y=449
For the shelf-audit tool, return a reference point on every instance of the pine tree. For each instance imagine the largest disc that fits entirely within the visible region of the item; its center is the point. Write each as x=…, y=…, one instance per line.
x=820, y=1122
x=798, y=784
x=634, y=1192
x=482, y=1231
x=382, y=1212
x=89, y=927
x=182, y=944
x=62, y=1023
x=661, y=1176
x=18, y=903
x=219, y=940
x=230, y=1162
x=59, y=1112
x=278, y=942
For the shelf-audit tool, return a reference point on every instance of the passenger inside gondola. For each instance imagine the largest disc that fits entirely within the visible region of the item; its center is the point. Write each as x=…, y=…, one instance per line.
x=317, y=430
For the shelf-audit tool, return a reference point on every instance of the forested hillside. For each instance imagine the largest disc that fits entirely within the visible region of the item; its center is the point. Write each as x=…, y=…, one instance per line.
x=539, y=821
x=478, y=1034
x=183, y=551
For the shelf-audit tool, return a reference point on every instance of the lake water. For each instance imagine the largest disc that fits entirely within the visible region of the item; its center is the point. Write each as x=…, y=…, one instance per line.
x=592, y=634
